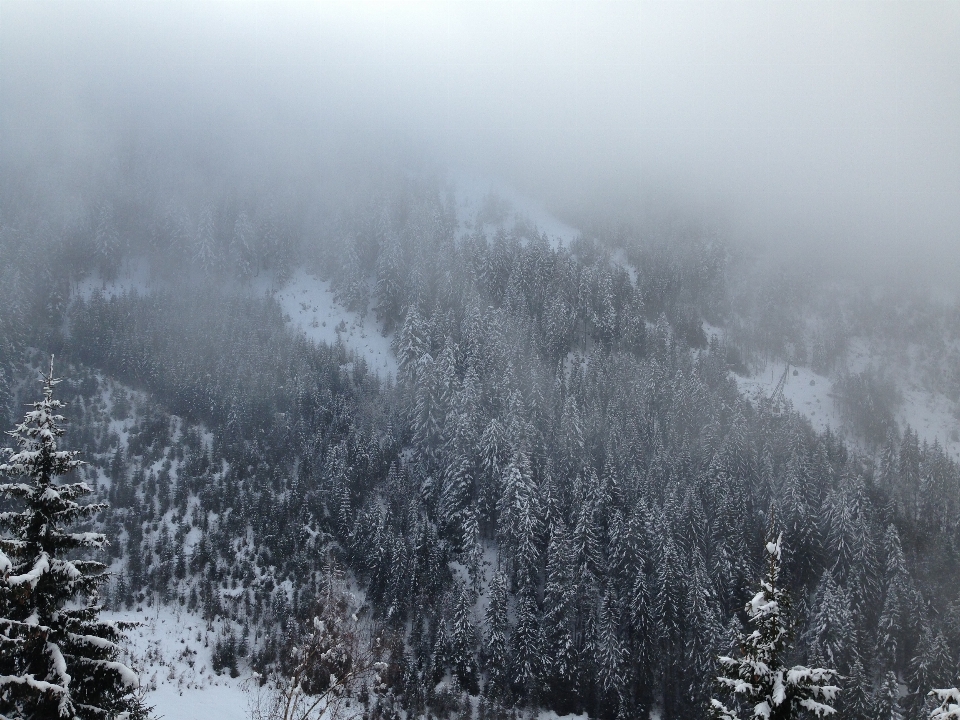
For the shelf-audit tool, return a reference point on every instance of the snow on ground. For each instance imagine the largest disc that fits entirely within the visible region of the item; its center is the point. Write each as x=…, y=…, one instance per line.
x=309, y=304
x=473, y=193
x=809, y=393
x=711, y=331
x=931, y=415
x=171, y=650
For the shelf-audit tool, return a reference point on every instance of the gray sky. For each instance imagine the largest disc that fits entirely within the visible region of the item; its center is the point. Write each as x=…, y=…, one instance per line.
x=826, y=127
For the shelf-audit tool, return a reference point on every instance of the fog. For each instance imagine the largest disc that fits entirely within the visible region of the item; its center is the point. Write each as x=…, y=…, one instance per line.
x=826, y=131
x=513, y=453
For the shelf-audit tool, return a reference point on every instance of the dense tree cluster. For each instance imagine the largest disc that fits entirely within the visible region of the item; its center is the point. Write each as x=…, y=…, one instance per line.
x=558, y=501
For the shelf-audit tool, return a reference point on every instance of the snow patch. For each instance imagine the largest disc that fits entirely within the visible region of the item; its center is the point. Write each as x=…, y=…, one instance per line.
x=711, y=331
x=171, y=651
x=309, y=305
x=809, y=393
x=932, y=416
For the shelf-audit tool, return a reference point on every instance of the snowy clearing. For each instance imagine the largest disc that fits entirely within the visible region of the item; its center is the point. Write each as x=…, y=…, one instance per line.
x=309, y=304
x=171, y=650
x=810, y=394
x=931, y=415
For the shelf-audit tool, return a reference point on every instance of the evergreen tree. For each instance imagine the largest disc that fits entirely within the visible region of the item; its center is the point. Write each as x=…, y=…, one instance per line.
x=610, y=660
x=832, y=629
x=703, y=631
x=556, y=627
x=760, y=681
x=855, y=700
x=886, y=699
x=205, y=249
x=930, y=668
x=897, y=621
x=463, y=640
x=241, y=247
x=527, y=660
x=57, y=659
x=498, y=659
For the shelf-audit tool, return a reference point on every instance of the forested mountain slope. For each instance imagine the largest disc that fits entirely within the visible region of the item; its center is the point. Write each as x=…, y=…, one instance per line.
x=560, y=498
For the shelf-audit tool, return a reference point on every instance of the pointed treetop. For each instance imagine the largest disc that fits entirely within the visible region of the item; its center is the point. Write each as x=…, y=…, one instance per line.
x=759, y=681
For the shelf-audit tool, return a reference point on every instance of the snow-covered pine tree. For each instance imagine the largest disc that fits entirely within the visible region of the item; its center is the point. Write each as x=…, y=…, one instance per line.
x=832, y=630
x=761, y=683
x=930, y=668
x=527, y=658
x=57, y=658
x=610, y=656
x=886, y=698
x=855, y=702
x=556, y=627
x=497, y=653
x=463, y=640
x=205, y=244
x=241, y=247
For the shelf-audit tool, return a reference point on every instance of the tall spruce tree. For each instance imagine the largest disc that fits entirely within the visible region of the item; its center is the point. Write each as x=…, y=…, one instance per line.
x=886, y=698
x=762, y=684
x=498, y=658
x=57, y=659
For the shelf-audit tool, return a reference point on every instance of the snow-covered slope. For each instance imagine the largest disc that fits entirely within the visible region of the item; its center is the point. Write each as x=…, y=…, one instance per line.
x=309, y=304
x=171, y=650
x=809, y=393
x=932, y=415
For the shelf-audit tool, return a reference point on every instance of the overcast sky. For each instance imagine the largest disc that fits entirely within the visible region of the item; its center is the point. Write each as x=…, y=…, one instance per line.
x=827, y=126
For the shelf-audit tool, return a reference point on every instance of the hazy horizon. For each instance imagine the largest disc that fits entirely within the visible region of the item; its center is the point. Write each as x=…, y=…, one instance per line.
x=826, y=131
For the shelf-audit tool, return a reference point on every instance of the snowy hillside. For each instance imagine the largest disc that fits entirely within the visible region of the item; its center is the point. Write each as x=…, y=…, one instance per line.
x=932, y=415
x=807, y=392
x=171, y=650
x=310, y=307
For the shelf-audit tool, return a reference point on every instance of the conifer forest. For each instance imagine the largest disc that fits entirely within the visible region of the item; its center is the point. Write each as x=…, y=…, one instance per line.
x=391, y=442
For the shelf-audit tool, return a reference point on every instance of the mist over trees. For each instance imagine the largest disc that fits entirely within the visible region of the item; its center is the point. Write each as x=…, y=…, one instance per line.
x=560, y=498
x=556, y=494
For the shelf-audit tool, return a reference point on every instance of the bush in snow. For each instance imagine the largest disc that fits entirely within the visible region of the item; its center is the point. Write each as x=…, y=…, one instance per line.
x=327, y=664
